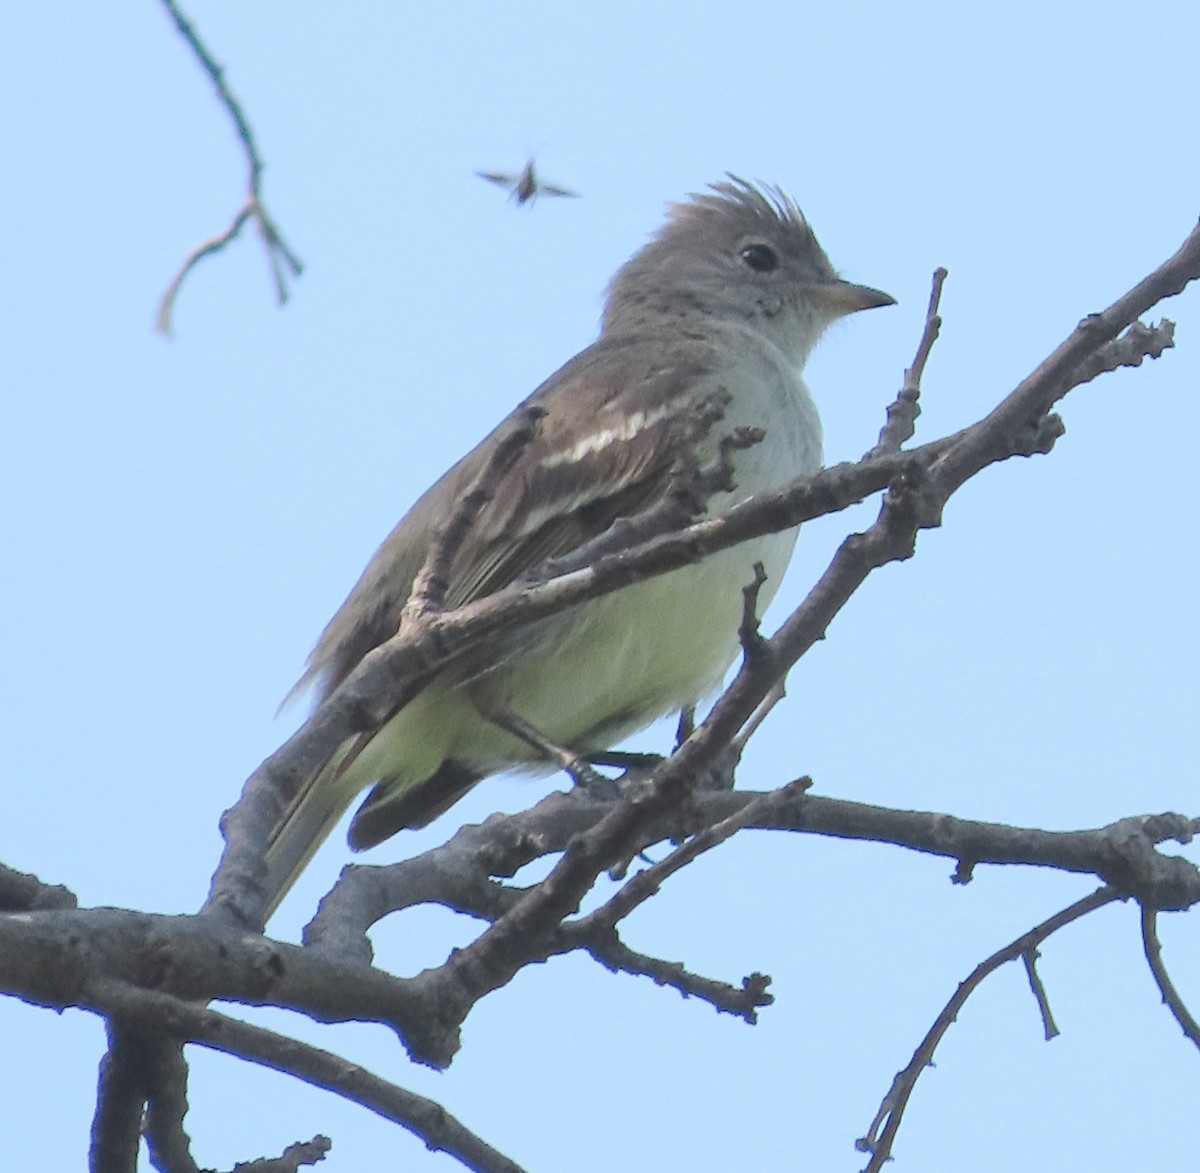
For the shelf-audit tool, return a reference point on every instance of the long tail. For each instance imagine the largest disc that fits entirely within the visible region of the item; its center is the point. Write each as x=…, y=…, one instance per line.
x=314, y=812
x=394, y=804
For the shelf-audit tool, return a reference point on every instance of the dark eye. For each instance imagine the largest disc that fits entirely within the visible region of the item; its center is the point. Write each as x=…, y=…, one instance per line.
x=760, y=257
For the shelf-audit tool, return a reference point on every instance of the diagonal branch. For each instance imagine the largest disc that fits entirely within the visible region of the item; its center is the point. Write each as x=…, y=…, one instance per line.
x=1066, y=367
x=1170, y=995
x=426, y=1119
x=646, y=883
x=742, y=1001
x=879, y=1143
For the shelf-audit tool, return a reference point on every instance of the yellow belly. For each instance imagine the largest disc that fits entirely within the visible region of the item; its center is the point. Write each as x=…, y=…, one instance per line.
x=589, y=678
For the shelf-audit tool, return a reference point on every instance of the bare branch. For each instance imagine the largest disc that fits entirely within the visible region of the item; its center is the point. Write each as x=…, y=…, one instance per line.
x=1066, y=367
x=278, y=252
x=903, y=411
x=1049, y=1026
x=437, y=1129
x=166, y=1107
x=1122, y=854
x=749, y=636
x=742, y=1002
x=457, y=875
x=121, y=1094
x=596, y=932
x=915, y=499
x=1170, y=995
x=638, y=889
x=78, y=958
x=307, y=1152
x=879, y=1143
x=54, y=958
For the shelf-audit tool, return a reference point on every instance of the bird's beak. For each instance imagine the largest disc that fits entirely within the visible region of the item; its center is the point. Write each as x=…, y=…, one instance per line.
x=844, y=297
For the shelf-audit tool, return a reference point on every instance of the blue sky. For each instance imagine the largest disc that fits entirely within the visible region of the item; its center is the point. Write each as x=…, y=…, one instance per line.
x=182, y=517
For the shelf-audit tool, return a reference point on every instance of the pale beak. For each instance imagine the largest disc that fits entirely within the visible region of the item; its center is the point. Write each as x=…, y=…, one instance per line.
x=844, y=297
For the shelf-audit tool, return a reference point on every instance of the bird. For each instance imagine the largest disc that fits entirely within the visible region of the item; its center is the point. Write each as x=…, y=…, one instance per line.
x=726, y=299
x=525, y=185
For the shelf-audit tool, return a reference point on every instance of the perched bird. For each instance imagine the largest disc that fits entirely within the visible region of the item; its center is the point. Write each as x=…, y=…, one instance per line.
x=525, y=186
x=726, y=300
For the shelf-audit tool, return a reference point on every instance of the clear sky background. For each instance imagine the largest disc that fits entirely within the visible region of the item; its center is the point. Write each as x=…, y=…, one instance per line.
x=180, y=518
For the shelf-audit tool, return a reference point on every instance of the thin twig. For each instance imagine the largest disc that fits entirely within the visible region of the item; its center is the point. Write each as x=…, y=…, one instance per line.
x=749, y=633
x=903, y=411
x=759, y=654
x=252, y=207
x=879, y=1143
x=742, y=1001
x=646, y=883
x=596, y=932
x=1170, y=995
x=1049, y=1026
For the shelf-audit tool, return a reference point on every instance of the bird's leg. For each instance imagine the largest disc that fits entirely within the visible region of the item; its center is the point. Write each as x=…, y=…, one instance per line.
x=579, y=769
x=629, y=761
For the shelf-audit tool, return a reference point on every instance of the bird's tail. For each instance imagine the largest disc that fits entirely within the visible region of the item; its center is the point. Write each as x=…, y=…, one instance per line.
x=314, y=812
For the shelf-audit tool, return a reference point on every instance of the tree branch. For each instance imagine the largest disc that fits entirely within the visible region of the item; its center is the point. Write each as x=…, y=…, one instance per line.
x=879, y=1143
x=120, y=1096
x=902, y=413
x=279, y=254
x=1170, y=995
x=430, y=1122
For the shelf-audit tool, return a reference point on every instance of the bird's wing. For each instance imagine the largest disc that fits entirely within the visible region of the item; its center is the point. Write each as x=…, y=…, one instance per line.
x=555, y=190
x=613, y=420
x=501, y=177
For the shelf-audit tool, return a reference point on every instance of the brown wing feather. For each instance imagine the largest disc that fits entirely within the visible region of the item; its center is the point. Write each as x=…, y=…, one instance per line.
x=613, y=415
x=555, y=537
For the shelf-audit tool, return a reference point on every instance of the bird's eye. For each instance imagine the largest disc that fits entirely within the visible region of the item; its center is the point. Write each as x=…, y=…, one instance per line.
x=760, y=257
